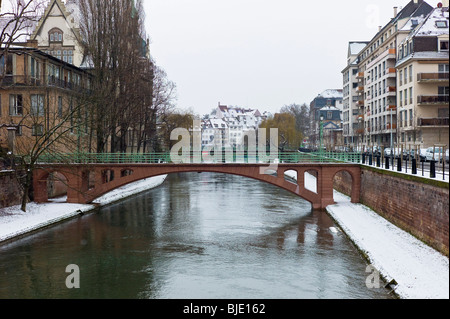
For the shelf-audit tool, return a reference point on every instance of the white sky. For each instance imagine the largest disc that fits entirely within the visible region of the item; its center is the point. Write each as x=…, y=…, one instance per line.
x=258, y=53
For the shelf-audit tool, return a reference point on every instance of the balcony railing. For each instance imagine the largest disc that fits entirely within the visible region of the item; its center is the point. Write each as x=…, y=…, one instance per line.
x=432, y=99
x=27, y=80
x=391, y=126
x=444, y=121
x=433, y=77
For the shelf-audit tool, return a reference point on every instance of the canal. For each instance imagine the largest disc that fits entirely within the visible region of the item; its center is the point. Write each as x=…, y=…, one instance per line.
x=208, y=236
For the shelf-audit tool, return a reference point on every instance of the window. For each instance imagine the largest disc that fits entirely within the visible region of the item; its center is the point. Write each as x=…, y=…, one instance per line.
x=406, y=75
x=37, y=130
x=401, y=78
x=443, y=67
x=401, y=98
x=443, y=46
x=410, y=73
x=16, y=105
x=441, y=24
x=37, y=105
x=55, y=35
x=411, y=95
x=60, y=107
x=329, y=115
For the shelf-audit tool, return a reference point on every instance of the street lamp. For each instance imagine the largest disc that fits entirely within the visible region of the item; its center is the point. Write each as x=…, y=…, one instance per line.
x=321, y=133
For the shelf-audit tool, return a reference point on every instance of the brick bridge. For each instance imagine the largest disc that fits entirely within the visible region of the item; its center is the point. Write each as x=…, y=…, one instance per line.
x=86, y=182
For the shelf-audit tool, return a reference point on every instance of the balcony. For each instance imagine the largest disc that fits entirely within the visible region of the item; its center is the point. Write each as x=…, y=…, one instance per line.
x=437, y=99
x=391, y=90
x=392, y=107
x=391, y=73
x=437, y=77
x=433, y=122
x=28, y=81
x=360, y=75
x=392, y=54
x=360, y=103
x=391, y=127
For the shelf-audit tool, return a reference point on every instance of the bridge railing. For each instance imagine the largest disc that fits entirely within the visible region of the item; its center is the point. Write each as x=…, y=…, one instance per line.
x=154, y=158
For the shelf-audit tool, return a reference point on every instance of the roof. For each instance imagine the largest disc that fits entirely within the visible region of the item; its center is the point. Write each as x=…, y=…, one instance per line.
x=356, y=47
x=428, y=26
x=64, y=12
x=331, y=93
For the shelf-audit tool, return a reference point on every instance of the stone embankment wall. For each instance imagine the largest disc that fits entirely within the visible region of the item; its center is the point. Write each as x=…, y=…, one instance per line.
x=10, y=191
x=418, y=205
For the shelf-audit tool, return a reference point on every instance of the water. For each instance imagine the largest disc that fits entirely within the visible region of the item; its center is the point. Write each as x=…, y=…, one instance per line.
x=197, y=236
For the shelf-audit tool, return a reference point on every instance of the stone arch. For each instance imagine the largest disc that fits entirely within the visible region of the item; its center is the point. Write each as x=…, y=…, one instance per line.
x=42, y=187
x=311, y=180
x=347, y=182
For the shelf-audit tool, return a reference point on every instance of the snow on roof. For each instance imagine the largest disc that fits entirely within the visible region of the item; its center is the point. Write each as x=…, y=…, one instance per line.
x=356, y=47
x=430, y=28
x=331, y=93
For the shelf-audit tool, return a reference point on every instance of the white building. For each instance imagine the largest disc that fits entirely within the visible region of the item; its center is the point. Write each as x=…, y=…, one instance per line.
x=231, y=124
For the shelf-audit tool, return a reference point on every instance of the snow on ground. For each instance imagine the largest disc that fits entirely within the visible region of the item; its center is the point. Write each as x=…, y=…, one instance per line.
x=14, y=222
x=420, y=271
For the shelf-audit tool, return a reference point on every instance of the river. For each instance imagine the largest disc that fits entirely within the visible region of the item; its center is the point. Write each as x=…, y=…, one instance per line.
x=198, y=236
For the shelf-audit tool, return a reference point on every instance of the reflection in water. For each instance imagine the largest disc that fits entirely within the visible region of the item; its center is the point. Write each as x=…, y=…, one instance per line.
x=197, y=236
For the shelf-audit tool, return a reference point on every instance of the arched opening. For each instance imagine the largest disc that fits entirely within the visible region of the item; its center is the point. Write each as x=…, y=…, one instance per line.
x=291, y=176
x=311, y=180
x=56, y=186
x=107, y=176
x=342, y=184
x=126, y=172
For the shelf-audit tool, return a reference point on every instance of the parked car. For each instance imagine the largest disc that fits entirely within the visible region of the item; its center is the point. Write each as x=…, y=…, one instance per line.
x=423, y=154
x=394, y=152
x=433, y=154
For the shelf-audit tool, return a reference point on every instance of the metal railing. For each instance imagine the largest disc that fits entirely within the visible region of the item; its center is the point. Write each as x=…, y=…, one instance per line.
x=206, y=158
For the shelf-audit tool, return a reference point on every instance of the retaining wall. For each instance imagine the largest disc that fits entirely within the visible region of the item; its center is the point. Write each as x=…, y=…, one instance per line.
x=415, y=204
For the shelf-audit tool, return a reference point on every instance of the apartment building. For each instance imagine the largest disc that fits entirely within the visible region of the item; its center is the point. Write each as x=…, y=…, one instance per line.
x=423, y=81
x=37, y=94
x=352, y=115
x=377, y=88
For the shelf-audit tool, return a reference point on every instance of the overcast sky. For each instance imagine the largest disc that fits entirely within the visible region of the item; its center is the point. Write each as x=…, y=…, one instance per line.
x=258, y=53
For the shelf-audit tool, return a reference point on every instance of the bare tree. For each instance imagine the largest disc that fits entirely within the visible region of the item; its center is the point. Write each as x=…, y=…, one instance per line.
x=114, y=42
x=16, y=22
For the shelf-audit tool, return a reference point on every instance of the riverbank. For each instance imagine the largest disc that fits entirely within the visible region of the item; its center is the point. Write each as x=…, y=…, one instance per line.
x=419, y=271
x=15, y=223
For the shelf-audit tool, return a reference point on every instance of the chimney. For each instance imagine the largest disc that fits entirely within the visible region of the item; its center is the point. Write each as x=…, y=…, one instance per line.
x=32, y=44
x=395, y=12
x=379, y=28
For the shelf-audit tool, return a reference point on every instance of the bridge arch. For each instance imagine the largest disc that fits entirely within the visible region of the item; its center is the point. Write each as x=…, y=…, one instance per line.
x=79, y=191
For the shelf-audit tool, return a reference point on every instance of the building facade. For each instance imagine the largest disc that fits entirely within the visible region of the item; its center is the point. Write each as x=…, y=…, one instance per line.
x=352, y=115
x=378, y=86
x=41, y=95
x=326, y=99
x=423, y=82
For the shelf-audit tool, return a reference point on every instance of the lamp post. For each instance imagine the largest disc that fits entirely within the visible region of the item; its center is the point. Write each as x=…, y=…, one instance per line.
x=321, y=133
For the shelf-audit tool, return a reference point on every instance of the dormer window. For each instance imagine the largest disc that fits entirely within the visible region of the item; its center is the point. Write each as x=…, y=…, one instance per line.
x=441, y=24
x=55, y=35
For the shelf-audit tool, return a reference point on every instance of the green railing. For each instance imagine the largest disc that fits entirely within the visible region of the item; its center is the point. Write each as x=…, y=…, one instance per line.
x=245, y=157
